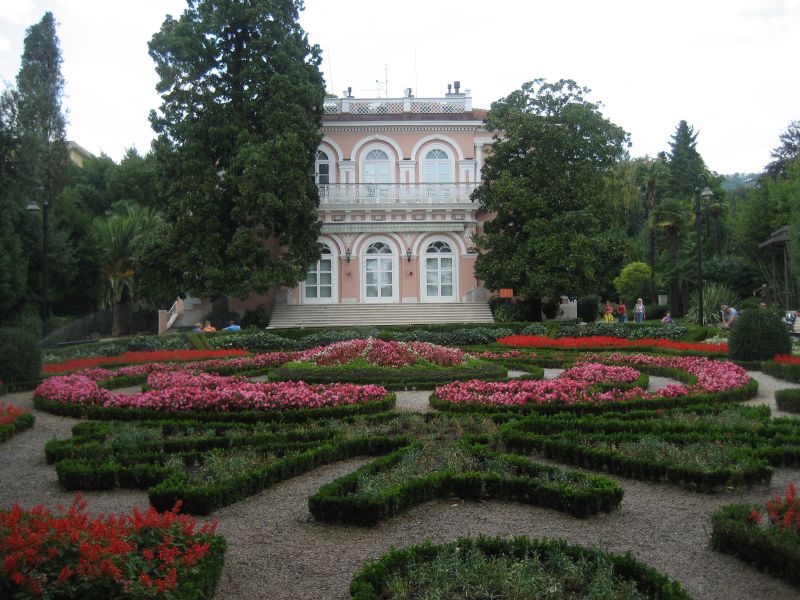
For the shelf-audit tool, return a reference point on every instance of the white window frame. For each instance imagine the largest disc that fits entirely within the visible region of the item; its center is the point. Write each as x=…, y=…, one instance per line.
x=424, y=269
x=395, y=256
x=334, y=299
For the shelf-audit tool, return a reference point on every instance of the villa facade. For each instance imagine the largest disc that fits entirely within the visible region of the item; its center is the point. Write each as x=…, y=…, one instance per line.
x=395, y=176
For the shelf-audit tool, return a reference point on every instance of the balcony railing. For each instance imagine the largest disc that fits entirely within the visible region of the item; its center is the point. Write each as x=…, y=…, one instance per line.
x=395, y=193
x=455, y=103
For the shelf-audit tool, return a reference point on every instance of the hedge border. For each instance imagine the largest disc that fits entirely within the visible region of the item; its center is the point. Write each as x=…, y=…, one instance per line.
x=781, y=371
x=22, y=422
x=788, y=400
x=369, y=582
x=337, y=502
x=769, y=549
x=297, y=415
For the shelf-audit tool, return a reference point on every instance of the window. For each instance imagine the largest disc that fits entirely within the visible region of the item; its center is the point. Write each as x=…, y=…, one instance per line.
x=439, y=281
x=379, y=272
x=319, y=278
x=322, y=169
x=377, y=173
x=436, y=173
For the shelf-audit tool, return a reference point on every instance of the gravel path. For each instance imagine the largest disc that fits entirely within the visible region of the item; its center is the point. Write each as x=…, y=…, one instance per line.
x=277, y=551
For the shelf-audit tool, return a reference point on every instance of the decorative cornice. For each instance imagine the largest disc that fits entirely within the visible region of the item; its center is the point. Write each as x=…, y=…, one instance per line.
x=391, y=227
x=373, y=127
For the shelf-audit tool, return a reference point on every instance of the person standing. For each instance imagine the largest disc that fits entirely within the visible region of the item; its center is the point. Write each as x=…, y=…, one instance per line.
x=608, y=312
x=622, y=312
x=638, y=311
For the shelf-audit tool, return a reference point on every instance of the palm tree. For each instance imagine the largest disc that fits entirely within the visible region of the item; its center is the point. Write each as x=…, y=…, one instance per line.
x=117, y=237
x=670, y=217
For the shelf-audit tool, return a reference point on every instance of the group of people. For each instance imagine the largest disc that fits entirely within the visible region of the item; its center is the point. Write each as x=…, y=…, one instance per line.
x=622, y=312
x=209, y=328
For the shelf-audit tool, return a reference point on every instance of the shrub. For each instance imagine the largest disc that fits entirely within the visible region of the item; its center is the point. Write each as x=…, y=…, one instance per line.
x=714, y=296
x=589, y=308
x=254, y=340
x=634, y=280
x=655, y=312
x=534, y=329
x=20, y=356
x=258, y=317
x=758, y=335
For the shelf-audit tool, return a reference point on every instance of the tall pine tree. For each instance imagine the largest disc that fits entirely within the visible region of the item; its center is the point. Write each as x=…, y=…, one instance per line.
x=685, y=163
x=237, y=133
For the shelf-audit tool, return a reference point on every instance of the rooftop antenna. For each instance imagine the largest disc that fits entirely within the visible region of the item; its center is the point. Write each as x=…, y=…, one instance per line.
x=385, y=82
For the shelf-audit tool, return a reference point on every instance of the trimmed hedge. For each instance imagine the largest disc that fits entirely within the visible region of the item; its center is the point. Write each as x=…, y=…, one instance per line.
x=781, y=371
x=100, y=413
x=788, y=400
x=758, y=335
x=340, y=501
x=388, y=377
x=22, y=422
x=370, y=582
x=773, y=550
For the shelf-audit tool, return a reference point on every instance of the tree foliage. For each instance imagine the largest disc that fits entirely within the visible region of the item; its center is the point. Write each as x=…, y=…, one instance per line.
x=238, y=129
x=544, y=181
x=684, y=161
x=787, y=152
x=634, y=281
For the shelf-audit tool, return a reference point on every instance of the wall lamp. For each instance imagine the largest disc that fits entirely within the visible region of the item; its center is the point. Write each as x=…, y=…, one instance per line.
x=347, y=254
x=408, y=254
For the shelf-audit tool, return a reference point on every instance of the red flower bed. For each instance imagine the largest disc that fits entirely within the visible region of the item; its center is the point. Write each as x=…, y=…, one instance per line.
x=9, y=413
x=584, y=343
x=71, y=555
x=139, y=357
x=787, y=359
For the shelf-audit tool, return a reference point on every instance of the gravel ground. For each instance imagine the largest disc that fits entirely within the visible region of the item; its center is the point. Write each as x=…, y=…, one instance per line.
x=277, y=551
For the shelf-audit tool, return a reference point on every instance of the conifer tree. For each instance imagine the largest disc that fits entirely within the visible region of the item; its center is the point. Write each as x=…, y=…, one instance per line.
x=238, y=129
x=685, y=163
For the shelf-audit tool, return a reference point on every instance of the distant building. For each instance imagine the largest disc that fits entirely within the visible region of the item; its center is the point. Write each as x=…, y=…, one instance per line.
x=78, y=154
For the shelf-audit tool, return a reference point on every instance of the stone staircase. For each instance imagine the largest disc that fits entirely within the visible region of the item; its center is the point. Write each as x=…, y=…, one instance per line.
x=349, y=315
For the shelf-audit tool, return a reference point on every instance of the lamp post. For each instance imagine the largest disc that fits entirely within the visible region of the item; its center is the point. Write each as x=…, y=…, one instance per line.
x=33, y=207
x=705, y=193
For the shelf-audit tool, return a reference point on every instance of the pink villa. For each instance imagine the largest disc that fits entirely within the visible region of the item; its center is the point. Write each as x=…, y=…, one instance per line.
x=395, y=177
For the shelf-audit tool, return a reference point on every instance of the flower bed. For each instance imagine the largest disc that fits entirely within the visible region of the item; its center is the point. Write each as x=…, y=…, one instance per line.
x=182, y=392
x=604, y=342
x=68, y=554
x=422, y=472
x=706, y=380
x=12, y=420
x=510, y=568
x=395, y=365
x=767, y=536
x=138, y=357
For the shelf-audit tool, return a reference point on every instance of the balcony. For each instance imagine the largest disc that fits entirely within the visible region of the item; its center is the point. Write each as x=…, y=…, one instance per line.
x=396, y=193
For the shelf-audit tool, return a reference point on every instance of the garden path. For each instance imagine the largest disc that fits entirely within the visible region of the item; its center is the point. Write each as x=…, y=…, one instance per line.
x=277, y=551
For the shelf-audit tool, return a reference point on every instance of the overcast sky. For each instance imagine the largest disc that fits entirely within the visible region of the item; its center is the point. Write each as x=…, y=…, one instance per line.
x=728, y=67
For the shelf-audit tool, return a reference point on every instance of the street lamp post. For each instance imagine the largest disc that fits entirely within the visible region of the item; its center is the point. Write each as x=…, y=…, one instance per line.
x=705, y=193
x=44, y=208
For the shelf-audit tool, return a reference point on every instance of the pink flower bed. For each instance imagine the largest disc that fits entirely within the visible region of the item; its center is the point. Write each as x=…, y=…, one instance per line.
x=72, y=389
x=599, y=373
x=182, y=390
x=574, y=384
x=383, y=354
x=507, y=354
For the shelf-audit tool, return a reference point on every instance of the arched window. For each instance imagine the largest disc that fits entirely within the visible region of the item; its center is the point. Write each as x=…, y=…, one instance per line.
x=322, y=168
x=439, y=275
x=379, y=273
x=377, y=173
x=319, y=283
x=436, y=173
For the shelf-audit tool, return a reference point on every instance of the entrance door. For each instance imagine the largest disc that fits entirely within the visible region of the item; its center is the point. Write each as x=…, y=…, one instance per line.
x=439, y=273
x=379, y=284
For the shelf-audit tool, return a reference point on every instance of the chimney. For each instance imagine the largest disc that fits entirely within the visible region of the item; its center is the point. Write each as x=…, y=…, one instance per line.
x=349, y=91
x=457, y=86
x=449, y=90
x=408, y=92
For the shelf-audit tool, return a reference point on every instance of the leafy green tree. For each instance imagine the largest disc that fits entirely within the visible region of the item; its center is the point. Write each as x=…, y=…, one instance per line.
x=787, y=152
x=238, y=129
x=684, y=163
x=117, y=238
x=544, y=181
x=634, y=281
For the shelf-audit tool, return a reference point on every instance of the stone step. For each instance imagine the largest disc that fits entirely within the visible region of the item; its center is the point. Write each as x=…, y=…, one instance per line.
x=349, y=315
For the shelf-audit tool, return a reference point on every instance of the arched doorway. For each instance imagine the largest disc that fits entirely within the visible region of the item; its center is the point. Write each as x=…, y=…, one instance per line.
x=379, y=268
x=439, y=283
x=320, y=284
